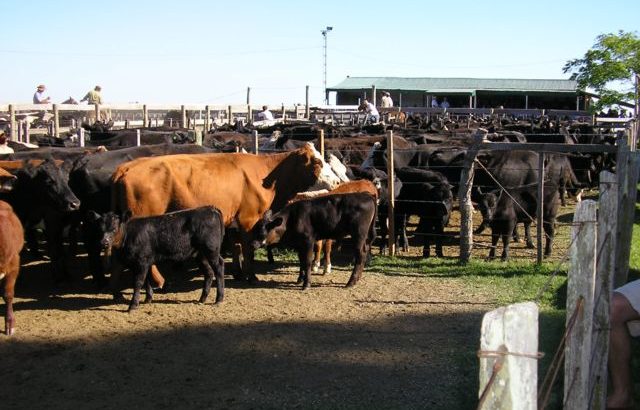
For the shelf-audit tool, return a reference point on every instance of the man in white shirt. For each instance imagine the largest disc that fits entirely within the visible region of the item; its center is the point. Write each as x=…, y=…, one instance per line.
x=265, y=114
x=444, y=103
x=40, y=97
x=386, y=101
x=372, y=113
x=434, y=102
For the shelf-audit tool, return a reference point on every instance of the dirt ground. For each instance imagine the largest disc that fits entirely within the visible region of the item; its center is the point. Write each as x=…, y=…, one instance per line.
x=392, y=341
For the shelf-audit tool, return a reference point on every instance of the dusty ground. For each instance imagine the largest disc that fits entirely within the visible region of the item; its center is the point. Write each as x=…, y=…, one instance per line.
x=390, y=342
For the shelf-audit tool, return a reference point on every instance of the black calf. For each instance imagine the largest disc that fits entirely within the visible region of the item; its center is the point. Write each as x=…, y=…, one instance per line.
x=142, y=242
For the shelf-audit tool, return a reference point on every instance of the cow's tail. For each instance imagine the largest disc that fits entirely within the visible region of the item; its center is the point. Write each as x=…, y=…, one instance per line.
x=371, y=236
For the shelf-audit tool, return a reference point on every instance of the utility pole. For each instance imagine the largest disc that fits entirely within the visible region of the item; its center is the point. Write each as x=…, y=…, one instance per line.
x=324, y=35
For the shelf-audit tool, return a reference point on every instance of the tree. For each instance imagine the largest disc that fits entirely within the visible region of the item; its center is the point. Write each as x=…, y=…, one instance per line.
x=609, y=68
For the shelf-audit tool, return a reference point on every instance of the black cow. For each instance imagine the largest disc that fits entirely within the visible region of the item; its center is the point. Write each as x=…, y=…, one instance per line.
x=90, y=180
x=502, y=210
x=302, y=223
x=176, y=236
x=42, y=193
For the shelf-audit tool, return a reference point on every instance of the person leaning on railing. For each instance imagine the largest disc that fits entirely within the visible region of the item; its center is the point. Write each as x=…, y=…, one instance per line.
x=40, y=97
x=93, y=96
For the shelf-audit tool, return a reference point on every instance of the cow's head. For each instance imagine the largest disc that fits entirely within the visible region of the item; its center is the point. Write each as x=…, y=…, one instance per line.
x=270, y=229
x=107, y=228
x=486, y=203
x=338, y=168
x=51, y=184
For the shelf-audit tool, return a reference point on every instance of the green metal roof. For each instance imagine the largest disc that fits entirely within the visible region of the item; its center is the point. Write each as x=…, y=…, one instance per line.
x=455, y=85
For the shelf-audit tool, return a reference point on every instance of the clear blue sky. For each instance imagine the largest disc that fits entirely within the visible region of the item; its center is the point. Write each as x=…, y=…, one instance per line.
x=194, y=51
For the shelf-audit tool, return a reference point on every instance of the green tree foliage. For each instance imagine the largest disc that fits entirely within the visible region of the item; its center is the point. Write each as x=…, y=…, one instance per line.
x=609, y=68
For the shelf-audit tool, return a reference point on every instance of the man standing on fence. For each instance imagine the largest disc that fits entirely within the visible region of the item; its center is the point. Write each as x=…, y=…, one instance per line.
x=625, y=308
x=93, y=96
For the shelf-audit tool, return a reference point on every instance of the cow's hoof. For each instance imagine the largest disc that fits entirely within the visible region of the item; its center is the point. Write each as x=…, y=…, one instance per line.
x=118, y=298
x=306, y=287
x=132, y=308
x=327, y=269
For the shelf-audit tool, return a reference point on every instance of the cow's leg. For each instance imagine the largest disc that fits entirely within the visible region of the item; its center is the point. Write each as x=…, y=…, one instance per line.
x=305, y=254
x=317, y=253
x=494, y=243
x=207, y=271
x=384, y=229
x=31, y=237
x=116, y=269
x=516, y=234
x=438, y=230
x=563, y=193
x=403, y=233
x=94, y=251
x=506, y=238
x=148, y=287
x=328, y=245
x=270, y=258
x=13, y=269
x=527, y=235
x=218, y=268
x=425, y=229
x=157, y=277
x=359, y=254
x=54, y=234
x=139, y=276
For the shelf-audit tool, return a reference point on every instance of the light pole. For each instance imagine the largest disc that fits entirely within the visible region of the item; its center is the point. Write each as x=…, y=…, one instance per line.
x=324, y=35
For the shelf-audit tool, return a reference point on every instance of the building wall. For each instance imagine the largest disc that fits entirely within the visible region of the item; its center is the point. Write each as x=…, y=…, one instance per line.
x=484, y=99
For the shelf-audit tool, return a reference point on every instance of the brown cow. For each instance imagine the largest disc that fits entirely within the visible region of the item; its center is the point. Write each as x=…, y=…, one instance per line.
x=242, y=186
x=11, y=242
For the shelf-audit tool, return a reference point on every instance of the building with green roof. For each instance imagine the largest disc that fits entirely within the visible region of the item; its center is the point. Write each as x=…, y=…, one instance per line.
x=465, y=92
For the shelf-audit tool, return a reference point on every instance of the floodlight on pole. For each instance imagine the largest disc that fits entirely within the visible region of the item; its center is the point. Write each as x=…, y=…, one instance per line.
x=324, y=35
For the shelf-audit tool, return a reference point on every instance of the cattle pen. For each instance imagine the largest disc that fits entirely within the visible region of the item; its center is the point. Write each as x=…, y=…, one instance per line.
x=406, y=337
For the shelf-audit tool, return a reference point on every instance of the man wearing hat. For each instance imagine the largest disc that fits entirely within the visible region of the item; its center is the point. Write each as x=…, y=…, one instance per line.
x=386, y=102
x=93, y=96
x=40, y=97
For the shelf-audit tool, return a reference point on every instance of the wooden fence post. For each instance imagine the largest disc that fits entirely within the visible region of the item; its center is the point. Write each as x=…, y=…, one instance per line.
x=56, y=121
x=145, y=116
x=321, y=140
x=464, y=196
x=137, y=137
x=183, y=117
x=627, y=164
x=540, y=209
x=249, y=115
x=27, y=136
x=580, y=288
x=284, y=114
x=306, y=102
x=392, y=199
x=207, y=118
x=607, y=221
x=255, y=141
x=12, y=122
x=513, y=377
x=96, y=110
x=230, y=114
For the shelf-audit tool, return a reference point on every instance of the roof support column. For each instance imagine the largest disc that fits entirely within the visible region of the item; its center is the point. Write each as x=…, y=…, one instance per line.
x=526, y=101
x=470, y=101
x=373, y=94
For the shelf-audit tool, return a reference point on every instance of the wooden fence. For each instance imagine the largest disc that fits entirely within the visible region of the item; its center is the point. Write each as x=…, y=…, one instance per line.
x=599, y=253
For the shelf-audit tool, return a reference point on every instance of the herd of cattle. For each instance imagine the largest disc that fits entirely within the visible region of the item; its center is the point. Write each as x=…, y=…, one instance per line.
x=171, y=200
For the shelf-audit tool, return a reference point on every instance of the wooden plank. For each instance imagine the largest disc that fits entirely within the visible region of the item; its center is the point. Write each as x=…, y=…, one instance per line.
x=540, y=209
x=607, y=222
x=392, y=199
x=580, y=288
x=627, y=172
x=511, y=329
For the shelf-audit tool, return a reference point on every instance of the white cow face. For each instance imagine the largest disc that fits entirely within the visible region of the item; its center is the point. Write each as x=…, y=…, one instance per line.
x=327, y=179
